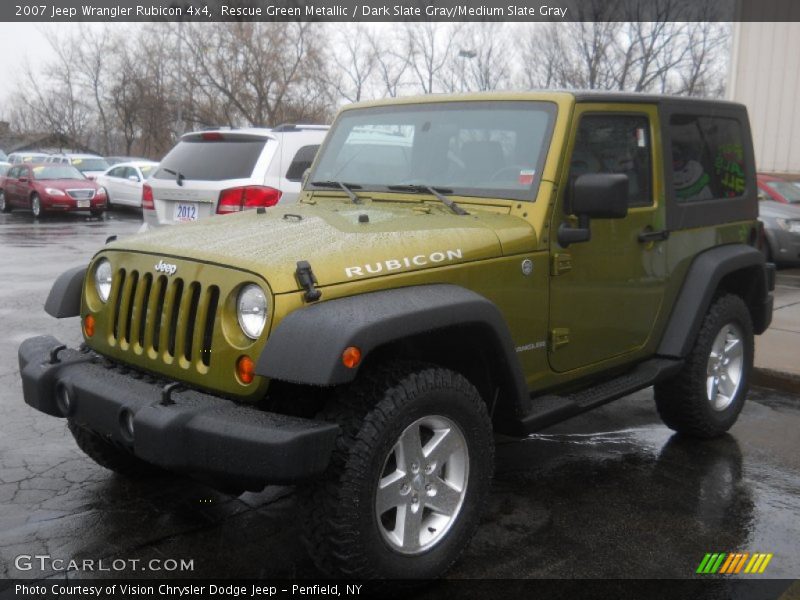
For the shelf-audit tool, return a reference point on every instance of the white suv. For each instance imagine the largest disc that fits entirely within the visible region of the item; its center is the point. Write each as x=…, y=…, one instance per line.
x=228, y=170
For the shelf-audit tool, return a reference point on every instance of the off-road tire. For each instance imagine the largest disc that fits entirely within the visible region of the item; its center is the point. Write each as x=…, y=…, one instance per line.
x=341, y=529
x=108, y=455
x=683, y=401
x=4, y=205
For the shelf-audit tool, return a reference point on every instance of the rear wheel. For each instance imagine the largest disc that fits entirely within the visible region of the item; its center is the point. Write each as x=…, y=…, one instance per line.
x=36, y=206
x=409, y=476
x=704, y=399
x=4, y=206
x=107, y=455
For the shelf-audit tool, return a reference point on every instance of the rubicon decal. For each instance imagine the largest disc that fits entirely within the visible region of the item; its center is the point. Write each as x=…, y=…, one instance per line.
x=162, y=267
x=722, y=563
x=407, y=262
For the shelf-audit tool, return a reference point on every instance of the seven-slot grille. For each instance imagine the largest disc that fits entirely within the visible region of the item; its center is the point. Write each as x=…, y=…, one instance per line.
x=82, y=194
x=164, y=317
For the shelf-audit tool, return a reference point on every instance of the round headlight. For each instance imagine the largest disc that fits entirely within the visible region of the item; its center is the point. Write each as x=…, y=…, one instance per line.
x=102, y=279
x=251, y=308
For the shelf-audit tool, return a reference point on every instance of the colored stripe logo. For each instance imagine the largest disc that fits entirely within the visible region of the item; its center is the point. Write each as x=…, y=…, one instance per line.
x=733, y=563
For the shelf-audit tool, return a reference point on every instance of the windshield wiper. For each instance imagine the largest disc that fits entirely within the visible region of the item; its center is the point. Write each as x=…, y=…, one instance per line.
x=347, y=188
x=179, y=177
x=438, y=193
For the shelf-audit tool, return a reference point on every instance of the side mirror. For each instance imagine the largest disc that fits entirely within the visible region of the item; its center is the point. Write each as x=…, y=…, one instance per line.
x=594, y=196
x=23, y=180
x=601, y=196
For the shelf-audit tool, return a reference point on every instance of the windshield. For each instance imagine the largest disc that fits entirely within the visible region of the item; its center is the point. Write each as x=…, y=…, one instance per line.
x=89, y=164
x=788, y=190
x=212, y=159
x=486, y=149
x=57, y=172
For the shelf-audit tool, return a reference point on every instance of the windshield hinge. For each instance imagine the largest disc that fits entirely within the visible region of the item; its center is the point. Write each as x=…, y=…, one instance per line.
x=562, y=263
x=559, y=337
x=307, y=280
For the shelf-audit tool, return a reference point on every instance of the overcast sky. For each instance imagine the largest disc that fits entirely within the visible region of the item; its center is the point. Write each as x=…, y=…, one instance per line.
x=21, y=41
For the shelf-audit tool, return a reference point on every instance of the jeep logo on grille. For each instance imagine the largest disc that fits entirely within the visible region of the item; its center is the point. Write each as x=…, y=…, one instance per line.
x=162, y=267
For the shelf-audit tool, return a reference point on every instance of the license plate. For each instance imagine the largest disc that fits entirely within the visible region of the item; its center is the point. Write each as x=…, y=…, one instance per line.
x=185, y=212
x=84, y=203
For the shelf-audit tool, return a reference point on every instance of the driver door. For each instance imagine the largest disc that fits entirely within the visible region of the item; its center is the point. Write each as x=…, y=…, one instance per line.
x=606, y=293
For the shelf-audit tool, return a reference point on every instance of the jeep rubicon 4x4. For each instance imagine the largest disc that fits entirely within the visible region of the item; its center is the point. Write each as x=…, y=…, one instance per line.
x=456, y=266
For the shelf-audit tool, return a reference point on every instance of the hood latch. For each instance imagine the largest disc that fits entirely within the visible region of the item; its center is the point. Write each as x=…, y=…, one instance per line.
x=307, y=280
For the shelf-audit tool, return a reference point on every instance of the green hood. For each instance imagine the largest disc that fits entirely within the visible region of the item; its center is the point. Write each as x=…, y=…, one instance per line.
x=398, y=237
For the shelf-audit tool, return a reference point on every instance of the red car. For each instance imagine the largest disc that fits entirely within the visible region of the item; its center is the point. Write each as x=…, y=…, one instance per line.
x=777, y=189
x=43, y=188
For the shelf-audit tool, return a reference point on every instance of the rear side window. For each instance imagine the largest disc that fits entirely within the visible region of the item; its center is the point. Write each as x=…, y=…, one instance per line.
x=301, y=161
x=708, y=157
x=212, y=160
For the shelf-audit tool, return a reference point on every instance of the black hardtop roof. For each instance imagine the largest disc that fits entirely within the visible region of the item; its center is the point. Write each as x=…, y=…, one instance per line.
x=640, y=98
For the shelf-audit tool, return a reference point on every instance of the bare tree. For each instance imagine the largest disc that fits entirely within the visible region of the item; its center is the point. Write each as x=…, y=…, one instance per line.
x=91, y=51
x=355, y=62
x=429, y=45
x=481, y=59
x=255, y=73
x=392, y=61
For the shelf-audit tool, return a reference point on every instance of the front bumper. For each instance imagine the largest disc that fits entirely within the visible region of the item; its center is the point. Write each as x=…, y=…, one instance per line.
x=187, y=431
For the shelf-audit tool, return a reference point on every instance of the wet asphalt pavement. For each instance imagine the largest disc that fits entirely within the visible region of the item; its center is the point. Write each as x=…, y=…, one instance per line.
x=609, y=494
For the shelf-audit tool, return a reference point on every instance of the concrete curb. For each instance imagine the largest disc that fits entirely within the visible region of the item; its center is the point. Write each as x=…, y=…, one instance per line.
x=777, y=380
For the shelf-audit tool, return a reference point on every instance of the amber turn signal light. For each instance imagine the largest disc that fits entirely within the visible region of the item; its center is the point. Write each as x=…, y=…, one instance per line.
x=88, y=325
x=245, y=369
x=351, y=357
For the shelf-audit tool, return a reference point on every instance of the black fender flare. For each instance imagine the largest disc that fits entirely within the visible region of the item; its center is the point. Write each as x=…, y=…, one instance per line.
x=702, y=281
x=306, y=347
x=64, y=299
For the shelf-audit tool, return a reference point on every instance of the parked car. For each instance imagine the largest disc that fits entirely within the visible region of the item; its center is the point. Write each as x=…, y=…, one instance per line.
x=229, y=170
x=124, y=181
x=781, y=231
x=16, y=158
x=524, y=260
x=90, y=165
x=778, y=189
x=47, y=187
x=4, y=167
x=115, y=160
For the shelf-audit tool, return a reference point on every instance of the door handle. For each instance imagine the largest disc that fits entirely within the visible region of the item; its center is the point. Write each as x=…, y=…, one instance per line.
x=648, y=235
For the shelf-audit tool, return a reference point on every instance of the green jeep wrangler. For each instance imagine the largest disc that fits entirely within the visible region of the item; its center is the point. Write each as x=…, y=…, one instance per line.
x=456, y=266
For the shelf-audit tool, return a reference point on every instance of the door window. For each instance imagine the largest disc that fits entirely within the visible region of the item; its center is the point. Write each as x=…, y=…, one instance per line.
x=608, y=143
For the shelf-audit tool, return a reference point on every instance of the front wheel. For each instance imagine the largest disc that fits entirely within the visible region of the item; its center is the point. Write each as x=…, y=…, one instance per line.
x=409, y=476
x=705, y=398
x=36, y=206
